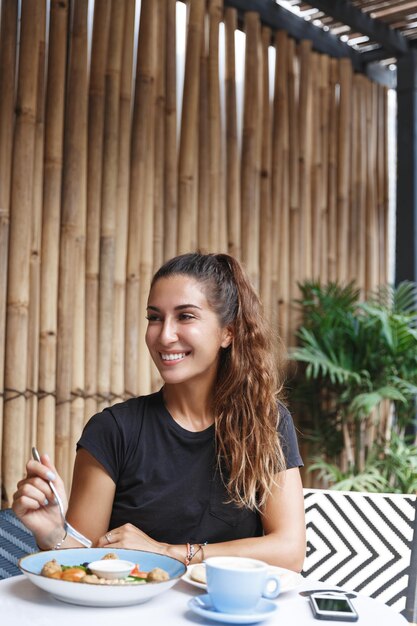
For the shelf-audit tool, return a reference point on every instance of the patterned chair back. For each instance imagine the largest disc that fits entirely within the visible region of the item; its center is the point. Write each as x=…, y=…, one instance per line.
x=15, y=541
x=364, y=542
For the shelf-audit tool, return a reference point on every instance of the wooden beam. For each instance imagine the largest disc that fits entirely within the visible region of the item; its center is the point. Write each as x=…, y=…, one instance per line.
x=278, y=18
x=391, y=40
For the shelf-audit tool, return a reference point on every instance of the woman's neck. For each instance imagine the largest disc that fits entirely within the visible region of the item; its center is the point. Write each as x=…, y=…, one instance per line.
x=189, y=407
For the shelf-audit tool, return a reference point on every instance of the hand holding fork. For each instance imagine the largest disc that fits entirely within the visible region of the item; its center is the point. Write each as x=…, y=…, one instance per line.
x=70, y=530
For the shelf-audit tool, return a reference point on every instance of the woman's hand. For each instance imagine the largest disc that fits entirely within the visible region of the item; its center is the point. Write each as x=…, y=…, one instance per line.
x=34, y=503
x=130, y=537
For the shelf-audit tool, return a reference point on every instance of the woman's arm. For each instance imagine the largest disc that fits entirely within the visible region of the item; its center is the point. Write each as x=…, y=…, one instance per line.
x=92, y=494
x=283, y=543
x=89, y=508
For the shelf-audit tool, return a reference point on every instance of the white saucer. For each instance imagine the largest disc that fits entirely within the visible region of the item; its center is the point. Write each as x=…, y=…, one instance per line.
x=202, y=605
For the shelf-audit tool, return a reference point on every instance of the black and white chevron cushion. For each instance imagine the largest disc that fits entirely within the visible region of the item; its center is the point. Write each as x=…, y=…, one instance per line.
x=15, y=541
x=364, y=543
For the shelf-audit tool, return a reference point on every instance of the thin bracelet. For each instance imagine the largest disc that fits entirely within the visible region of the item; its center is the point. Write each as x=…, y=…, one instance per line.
x=200, y=547
x=58, y=545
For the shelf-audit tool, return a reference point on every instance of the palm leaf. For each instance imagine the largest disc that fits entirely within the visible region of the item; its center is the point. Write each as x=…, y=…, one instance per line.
x=370, y=481
x=322, y=364
x=363, y=404
x=397, y=299
x=406, y=387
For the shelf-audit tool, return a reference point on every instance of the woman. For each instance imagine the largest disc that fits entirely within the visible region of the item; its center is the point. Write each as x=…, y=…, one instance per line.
x=206, y=466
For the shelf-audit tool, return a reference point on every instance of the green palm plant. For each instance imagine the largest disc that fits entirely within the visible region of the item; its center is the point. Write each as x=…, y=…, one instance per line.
x=359, y=357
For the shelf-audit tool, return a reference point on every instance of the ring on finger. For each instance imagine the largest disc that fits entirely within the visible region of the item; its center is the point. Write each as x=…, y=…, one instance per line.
x=108, y=537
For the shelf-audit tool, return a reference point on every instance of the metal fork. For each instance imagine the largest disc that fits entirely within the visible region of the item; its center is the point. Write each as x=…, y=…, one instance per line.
x=67, y=526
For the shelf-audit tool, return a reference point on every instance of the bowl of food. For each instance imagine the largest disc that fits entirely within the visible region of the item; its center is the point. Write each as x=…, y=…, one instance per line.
x=68, y=576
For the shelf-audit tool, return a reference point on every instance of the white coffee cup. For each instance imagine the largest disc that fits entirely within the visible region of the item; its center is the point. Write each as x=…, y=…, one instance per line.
x=237, y=584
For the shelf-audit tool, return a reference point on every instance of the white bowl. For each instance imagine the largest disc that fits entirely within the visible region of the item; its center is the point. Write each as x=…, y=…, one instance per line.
x=109, y=594
x=111, y=568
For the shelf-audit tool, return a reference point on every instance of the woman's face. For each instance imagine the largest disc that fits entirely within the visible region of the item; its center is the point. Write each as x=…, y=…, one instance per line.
x=184, y=336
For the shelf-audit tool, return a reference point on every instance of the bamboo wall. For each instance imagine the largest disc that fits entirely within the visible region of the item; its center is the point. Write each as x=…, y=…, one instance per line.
x=102, y=178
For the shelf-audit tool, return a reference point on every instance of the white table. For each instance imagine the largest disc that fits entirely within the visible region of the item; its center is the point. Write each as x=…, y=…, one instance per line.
x=23, y=604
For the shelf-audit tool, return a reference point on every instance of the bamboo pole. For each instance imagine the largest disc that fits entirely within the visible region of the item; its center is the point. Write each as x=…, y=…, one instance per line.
x=382, y=271
x=266, y=234
x=382, y=156
x=215, y=8
x=232, y=145
x=203, y=175
x=362, y=181
x=159, y=165
x=316, y=170
x=8, y=37
x=19, y=249
x=380, y=153
x=332, y=174
x=223, y=245
x=35, y=248
x=343, y=161
x=118, y=338
x=187, y=214
x=150, y=26
x=324, y=106
x=355, y=215
x=251, y=150
x=54, y=126
x=136, y=364
x=305, y=138
x=96, y=105
x=131, y=365
x=108, y=202
x=71, y=282
x=280, y=189
x=77, y=415
x=372, y=269
x=170, y=165
x=294, y=191
x=159, y=157
x=279, y=128
x=223, y=226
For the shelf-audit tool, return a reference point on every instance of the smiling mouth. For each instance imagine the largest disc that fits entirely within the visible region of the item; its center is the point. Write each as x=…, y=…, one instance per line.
x=176, y=356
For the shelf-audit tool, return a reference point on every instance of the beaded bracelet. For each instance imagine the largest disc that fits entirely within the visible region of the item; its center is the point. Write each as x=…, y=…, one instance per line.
x=191, y=551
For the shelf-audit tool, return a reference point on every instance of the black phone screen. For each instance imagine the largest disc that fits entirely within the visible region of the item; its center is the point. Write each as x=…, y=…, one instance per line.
x=333, y=604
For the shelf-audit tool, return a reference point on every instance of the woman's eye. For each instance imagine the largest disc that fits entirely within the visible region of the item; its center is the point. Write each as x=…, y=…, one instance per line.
x=186, y=316
x=152, y=318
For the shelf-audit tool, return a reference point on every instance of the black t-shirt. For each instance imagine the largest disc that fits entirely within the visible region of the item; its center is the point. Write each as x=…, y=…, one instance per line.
x=165, y=477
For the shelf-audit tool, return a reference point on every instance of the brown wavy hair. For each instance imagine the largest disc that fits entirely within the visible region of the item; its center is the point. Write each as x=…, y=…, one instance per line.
x=245, y=396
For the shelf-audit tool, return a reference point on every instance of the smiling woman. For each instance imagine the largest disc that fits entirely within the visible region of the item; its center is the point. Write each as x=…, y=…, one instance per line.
x=206, y=466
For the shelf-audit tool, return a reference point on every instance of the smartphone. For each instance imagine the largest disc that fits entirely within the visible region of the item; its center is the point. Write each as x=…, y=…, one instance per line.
x=333, y=607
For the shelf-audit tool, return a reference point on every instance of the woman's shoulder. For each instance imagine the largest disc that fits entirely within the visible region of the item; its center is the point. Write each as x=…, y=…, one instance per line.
x=117, y=427
x=135, y=407
x=123, y=417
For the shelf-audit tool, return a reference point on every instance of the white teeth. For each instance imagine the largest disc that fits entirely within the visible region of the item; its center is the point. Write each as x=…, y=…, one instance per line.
x=172, y=357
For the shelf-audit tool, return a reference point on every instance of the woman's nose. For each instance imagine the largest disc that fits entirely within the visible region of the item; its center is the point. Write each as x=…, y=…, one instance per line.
x=168, y=331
